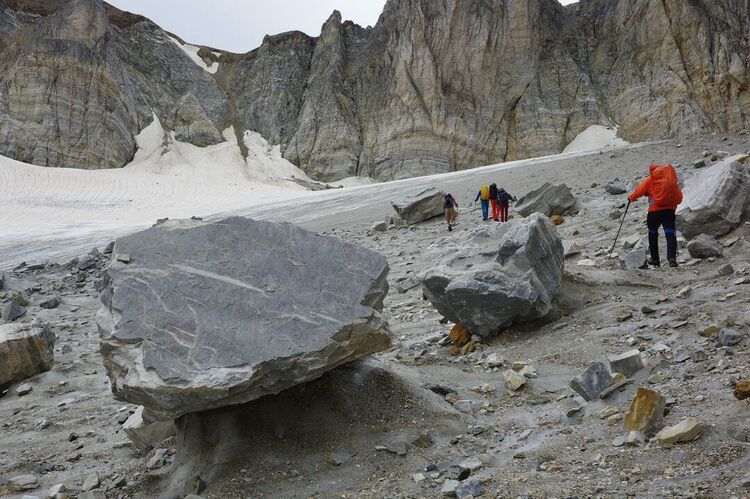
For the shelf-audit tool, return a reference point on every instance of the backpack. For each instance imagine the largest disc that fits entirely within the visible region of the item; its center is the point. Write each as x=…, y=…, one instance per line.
x=664, y=188
x=484, y=192
x=493, y=191
x=448, y=201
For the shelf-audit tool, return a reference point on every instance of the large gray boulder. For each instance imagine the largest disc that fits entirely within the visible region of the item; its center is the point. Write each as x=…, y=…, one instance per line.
x=717, y=199
x=496, y=275
x=423, y=205
x=213, y=314
x=25, y=350
x=549, y=200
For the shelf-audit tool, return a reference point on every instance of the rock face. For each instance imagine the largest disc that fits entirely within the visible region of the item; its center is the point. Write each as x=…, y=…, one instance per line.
x=25, y=350
x=548, y=199
x=421, y=206
x=235, y=310
x=432, y=87
x=496, y=275
x=716, y=199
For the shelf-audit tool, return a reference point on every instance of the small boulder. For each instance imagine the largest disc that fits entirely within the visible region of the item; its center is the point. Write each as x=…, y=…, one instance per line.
x=549, y=200
x=614, y=189
x=513, y=380
x=469, y=489
x=728, y=337
x=380, y=227
x=627, y=363
x=704, y=246
x=12, y=311
x=147, y=434
x=742, y=389
x=593, y=381
x=424, y=205
x=22, y=483
x=646, y=411
x=686, y=430
x=25, y=350
x=90, y=482
x=449, y=488
x=24, y=389
x=50, y=303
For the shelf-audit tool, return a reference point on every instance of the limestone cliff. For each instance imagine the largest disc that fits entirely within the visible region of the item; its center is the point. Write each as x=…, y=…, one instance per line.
x=434, y=86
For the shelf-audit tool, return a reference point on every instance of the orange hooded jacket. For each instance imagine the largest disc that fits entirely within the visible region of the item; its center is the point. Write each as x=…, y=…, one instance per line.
x=661, y=187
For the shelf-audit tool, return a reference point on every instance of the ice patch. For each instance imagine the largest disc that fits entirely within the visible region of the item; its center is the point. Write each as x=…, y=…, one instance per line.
x=595, y=137
x=192, y=52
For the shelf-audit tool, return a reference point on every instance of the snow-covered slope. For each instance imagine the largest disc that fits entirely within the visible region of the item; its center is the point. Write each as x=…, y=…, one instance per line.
x=192, y=52
x=595, y=137
x=167, y=178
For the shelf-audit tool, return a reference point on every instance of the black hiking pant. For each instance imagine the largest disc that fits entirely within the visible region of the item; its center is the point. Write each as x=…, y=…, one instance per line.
x=656, y=219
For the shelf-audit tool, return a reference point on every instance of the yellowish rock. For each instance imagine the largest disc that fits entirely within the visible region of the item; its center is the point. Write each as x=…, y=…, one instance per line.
x=686, y=430
x=646, y=411
x=513, y=380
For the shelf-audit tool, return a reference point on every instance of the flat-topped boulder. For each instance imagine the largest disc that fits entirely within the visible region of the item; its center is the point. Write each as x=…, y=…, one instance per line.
x=207, y=315
x=25, y=350
x=496, y=275
x=717, y=199
x=549, y=200
x=421, y=206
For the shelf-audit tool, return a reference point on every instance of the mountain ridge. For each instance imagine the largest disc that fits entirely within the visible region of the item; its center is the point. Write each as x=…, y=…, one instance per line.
x=432, y=87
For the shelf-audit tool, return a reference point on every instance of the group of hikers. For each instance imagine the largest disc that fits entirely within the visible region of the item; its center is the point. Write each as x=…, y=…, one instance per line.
x=488, y=195
x=661, y=187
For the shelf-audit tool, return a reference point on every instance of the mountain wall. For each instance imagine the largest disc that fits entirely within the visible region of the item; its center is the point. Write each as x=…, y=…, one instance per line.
x=435, y=86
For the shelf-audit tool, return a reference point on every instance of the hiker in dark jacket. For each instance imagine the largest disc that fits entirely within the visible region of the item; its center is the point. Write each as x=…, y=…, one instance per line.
x=449, y=208
x=503, y=201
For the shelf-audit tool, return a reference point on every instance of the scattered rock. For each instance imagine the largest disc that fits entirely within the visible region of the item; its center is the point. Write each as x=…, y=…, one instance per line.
x=12, y=311
x=158, y=460
x=459, y=335
x=21, y=483
x=251, y=308
x=570, y=248
x=686, y=430
x=90, y=482
x=24, y=389
x=380, y=227
x=646, y=411
x=469, y=489
x=728, y=337
x=53, y=491
x=25, y=350
x=496, y=275
x=614, y=189
x=549, y=200
x=147, y=434
x=704, y=246
x=557, y=220
x=50, y=303
x=684, y=292
x=86, y=262
x=593, y=381
x=742, y=389
x=449, y=488
x=472, y=463
x=513, y=380
x=699, y=164
x=627, y=363
x=421, y=206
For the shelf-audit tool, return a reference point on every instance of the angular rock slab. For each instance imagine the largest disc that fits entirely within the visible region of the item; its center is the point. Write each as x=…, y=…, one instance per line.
x=496, y=275
x=717, y=199
x=646, y=411
x=421, y=206
x=213, y=314
x=593, y=381
x=549, y=200
x=25, y=350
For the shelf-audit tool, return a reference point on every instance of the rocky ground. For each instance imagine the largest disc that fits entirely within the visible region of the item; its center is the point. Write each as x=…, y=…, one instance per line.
x=406, y=422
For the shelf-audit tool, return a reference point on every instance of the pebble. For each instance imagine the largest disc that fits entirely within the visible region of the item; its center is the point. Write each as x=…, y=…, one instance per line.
x=24, y=389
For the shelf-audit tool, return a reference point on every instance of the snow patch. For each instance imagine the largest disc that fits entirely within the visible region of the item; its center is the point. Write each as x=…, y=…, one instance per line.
x=192, y=52
x=595, y=137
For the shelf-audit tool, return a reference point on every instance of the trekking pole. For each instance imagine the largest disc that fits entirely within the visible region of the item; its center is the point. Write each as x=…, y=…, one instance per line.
x=618, y=230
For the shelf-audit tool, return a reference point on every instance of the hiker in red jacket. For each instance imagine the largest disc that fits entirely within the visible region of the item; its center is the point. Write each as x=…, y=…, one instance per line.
x=664, y=196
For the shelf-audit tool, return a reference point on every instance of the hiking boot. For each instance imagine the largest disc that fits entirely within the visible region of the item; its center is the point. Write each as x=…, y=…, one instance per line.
x=450, y=229
x=673, y=263
x=653, y=263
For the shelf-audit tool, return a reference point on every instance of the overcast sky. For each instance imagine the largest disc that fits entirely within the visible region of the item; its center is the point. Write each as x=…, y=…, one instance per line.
x=240, y=25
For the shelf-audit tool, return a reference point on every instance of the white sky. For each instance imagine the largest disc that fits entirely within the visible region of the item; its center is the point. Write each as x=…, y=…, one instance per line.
x=240, y=25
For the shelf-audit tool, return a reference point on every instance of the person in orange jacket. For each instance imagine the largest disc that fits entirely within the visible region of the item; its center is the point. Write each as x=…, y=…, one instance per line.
x=664, y=195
